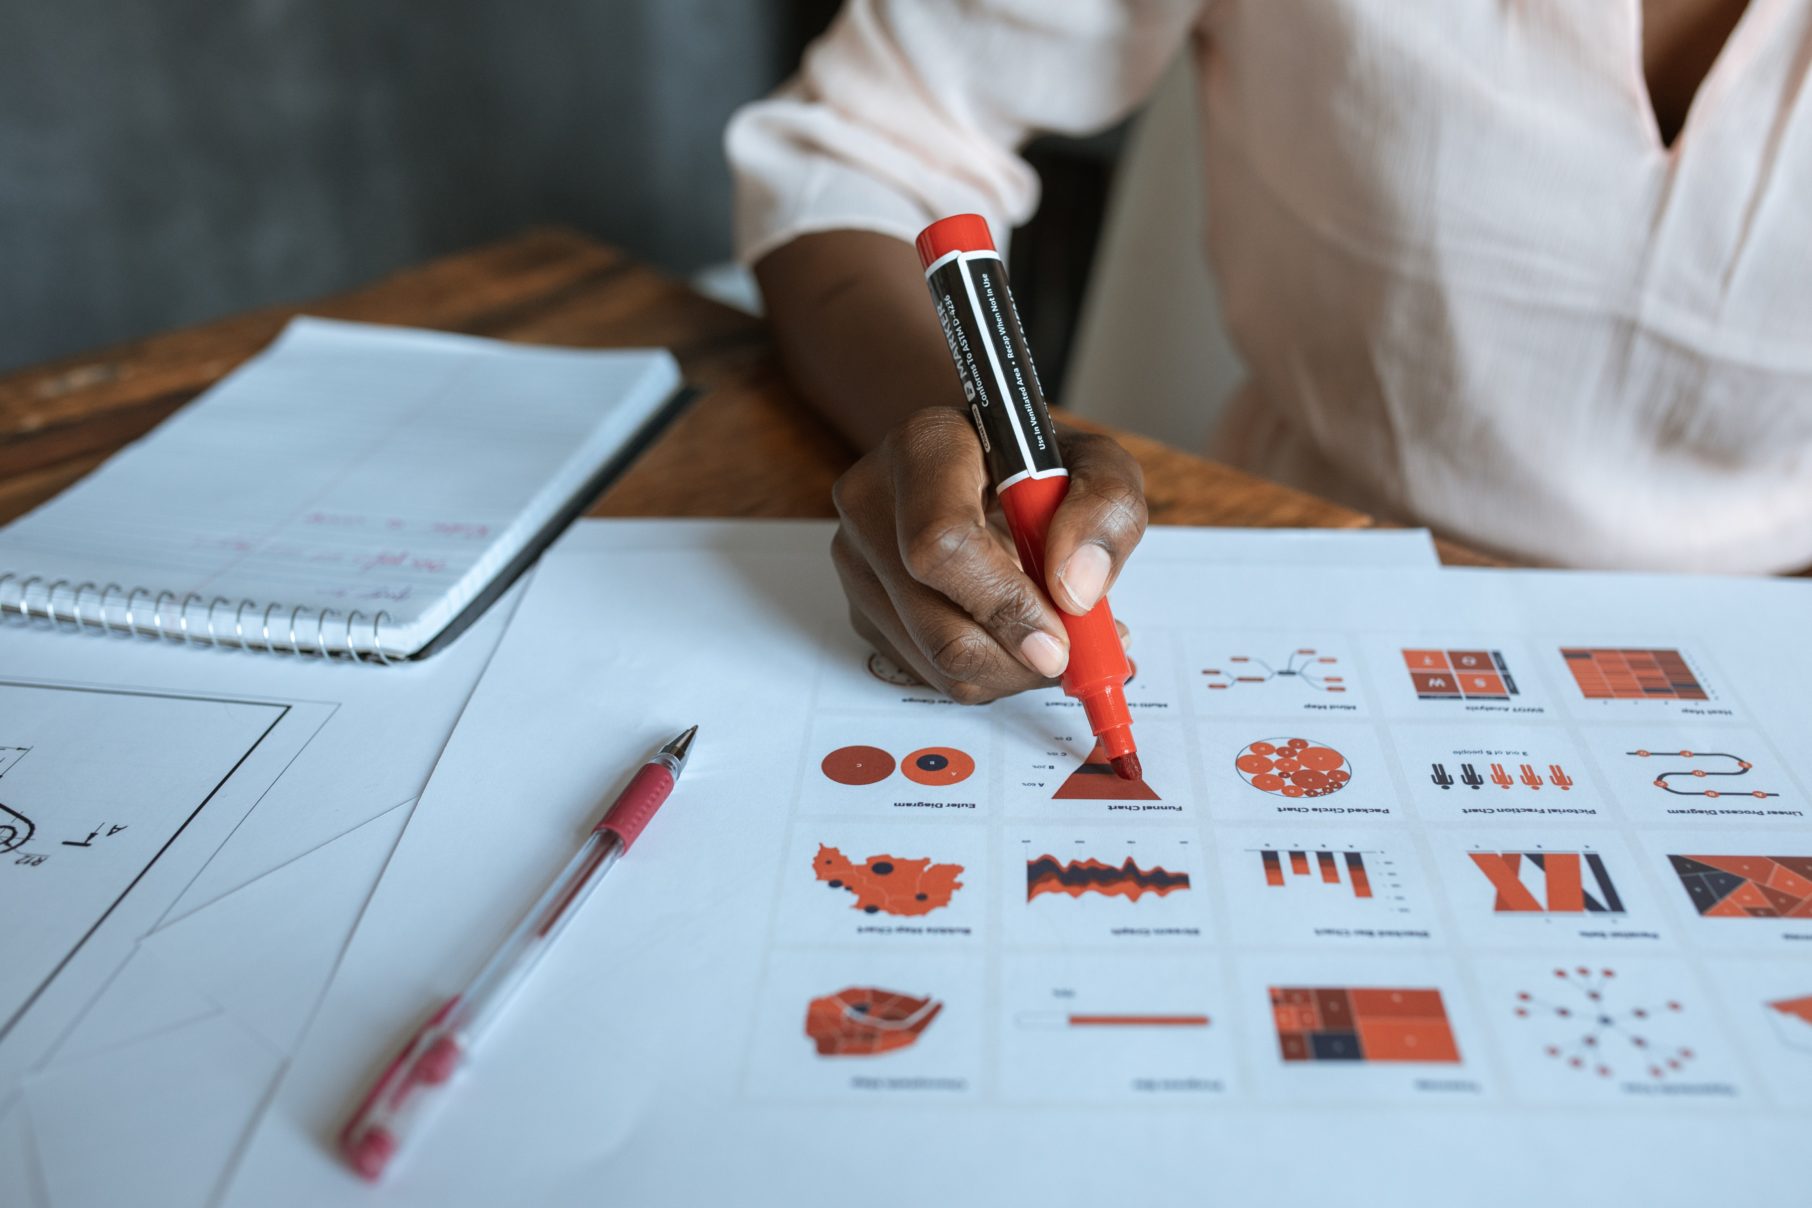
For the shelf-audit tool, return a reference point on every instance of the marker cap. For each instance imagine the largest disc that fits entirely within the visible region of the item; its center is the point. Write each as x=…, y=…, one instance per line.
x=957, y=233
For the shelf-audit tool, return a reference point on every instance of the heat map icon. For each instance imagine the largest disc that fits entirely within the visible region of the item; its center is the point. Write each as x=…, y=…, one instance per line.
x=1362, y=1024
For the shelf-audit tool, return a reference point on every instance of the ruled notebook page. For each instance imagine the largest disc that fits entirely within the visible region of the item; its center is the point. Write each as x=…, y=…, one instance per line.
x=347, y=471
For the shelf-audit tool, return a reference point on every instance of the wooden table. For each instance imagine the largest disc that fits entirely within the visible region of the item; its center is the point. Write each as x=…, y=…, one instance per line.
x=745, y=447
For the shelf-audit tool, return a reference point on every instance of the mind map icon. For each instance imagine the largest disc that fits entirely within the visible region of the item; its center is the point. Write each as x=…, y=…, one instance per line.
x=1305, y=665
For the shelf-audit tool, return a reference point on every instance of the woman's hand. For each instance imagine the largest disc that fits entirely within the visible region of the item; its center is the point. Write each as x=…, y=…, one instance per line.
x=935, y=588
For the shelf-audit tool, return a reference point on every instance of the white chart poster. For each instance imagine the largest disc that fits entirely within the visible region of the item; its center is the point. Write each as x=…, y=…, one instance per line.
x=1456, y=887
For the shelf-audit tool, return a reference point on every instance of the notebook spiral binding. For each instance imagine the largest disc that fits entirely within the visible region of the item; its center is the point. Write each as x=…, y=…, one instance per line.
x=166, y=616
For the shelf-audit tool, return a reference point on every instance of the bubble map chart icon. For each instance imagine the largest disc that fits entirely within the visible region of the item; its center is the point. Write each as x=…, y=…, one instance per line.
x=1293, y=767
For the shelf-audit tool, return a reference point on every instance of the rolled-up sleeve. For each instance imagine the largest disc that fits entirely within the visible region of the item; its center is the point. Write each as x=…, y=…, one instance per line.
x=906, y=110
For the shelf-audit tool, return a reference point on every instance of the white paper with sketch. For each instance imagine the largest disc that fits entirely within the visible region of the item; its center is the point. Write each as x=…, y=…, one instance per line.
x=1539, y=952
x=352, y=487
x=220, y=915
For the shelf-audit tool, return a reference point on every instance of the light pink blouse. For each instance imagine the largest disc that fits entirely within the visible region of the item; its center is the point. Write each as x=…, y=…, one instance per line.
x=1471, y=284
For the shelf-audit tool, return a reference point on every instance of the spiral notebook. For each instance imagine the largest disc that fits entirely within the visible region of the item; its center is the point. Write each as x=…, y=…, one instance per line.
x=353, y=490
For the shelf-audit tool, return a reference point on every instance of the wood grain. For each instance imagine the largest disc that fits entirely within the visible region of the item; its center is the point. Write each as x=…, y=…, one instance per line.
x=745, y=447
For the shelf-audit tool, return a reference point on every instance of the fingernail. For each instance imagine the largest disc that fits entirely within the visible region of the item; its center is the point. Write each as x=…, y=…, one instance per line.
x=1084, y=576
x=1126, y=639
x=1045, y=653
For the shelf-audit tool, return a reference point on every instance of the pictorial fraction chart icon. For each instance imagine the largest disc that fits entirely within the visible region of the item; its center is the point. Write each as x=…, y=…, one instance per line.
x=1293, y=767
x=1459, y=674
x=862, y=1021
x=1548, y=882
x=1048, y=874
x=1604, y=674
x=1095, y=781
x=1332, y=1023
x=1317, y=672
x=932, y=766
x=1747, y=887
x=886, y=884
x=1504, y=776
x=1695, y=780
x=1326, y=870
x=1599, y=1037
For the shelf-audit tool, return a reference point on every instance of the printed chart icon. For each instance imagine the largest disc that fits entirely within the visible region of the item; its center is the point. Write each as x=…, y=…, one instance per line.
x=1116, y=1019
x=1614, y=674
x=1305, y=665
x=1792, y=1019
x=1548, y=882
x=1692, y=773
x=1048, y=874
x=1326, y=868
x=1747, y=887
x=1095, y=781
x=1594, y=1033
x=862, y=1021
x=887, y=884
x=1293, y=767
x=1459, y=674
x=1330, y=1023
x=1505, y=776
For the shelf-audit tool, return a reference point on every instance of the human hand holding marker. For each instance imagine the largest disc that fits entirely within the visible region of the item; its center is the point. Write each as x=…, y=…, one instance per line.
x=938, y=588
x=959, y=605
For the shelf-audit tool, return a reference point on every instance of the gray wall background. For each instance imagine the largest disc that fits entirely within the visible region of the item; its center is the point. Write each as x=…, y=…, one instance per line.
x=163, y=162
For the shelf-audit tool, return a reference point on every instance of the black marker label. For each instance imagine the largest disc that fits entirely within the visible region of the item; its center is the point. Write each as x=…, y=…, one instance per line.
x=999, y=381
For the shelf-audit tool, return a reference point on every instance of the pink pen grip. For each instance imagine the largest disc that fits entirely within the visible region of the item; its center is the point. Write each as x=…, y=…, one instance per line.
x=639, y=802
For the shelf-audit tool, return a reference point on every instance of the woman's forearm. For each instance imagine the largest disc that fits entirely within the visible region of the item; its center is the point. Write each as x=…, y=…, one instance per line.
x=858, y=334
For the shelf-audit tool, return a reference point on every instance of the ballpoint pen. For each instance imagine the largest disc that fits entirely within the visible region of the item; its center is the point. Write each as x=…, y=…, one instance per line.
x=396, y=1104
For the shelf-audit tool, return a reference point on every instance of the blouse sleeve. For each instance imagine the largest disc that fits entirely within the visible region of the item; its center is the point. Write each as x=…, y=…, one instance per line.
x=907, y=110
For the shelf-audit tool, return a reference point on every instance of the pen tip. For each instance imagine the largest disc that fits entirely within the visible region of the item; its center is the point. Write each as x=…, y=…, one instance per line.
x=680, y=747
x=1126, y=767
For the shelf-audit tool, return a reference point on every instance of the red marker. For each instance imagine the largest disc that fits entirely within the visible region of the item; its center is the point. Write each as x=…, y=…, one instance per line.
x=968, y=282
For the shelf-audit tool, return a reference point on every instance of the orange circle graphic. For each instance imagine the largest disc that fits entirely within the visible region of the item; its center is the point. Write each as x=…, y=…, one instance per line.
x=858, y=765
x=1293, y=767
x=937, y=765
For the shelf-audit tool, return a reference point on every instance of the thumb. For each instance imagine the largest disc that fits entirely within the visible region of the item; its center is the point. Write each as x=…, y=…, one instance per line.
x=1099, y=523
